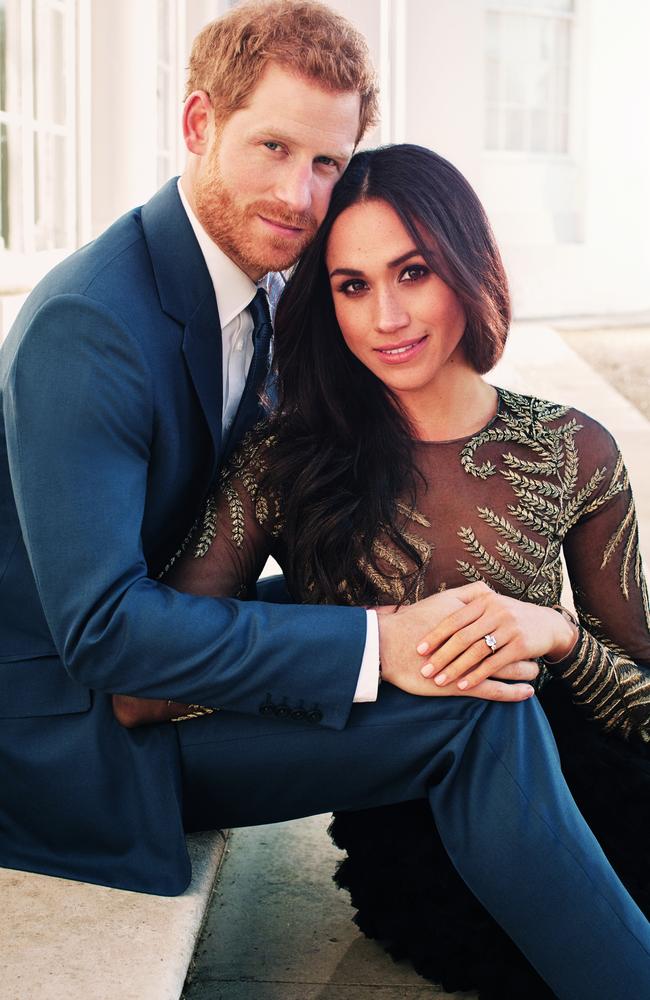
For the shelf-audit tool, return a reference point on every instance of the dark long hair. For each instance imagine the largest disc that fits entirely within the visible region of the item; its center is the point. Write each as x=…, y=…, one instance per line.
x=344, y=452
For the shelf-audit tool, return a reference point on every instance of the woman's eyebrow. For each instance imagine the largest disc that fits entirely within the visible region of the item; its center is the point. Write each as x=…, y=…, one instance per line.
x=353, y=272
x=347, y=270
x=404, y=257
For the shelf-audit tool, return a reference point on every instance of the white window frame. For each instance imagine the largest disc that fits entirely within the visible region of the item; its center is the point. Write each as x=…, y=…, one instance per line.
x=22, y=265
x=574, y=18
x=170, y=66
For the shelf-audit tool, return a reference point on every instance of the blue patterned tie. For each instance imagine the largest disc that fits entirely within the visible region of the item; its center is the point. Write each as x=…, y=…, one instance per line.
x=262, y=333
x=247, y=411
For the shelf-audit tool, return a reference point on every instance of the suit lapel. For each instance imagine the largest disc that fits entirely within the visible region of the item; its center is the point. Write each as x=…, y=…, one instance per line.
x=187, y=294
x=203, y=356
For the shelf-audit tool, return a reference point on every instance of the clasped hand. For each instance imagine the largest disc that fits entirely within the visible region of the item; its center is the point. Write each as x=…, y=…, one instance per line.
x=454, y=658
x=457, y=650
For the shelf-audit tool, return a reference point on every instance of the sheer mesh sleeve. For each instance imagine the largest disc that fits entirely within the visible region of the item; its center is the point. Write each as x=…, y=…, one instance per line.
x=609, y=669
x=235, y=533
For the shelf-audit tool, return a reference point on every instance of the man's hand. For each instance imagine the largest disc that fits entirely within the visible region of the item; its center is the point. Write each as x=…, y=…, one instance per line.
x=401, y=632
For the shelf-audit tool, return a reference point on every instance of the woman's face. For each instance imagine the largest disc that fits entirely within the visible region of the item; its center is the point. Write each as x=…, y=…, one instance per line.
x=396, y=316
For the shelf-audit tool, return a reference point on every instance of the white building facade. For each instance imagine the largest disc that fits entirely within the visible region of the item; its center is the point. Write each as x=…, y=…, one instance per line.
x=543, y=104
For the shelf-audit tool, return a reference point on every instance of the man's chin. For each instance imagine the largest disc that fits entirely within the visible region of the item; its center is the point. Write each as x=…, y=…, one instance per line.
x=281, y=257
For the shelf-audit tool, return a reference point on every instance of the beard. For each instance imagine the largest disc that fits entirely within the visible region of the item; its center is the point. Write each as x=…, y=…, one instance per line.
x=234, y=226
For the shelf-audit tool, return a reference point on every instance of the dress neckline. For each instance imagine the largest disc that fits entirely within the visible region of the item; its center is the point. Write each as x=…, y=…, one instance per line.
x=468, y=437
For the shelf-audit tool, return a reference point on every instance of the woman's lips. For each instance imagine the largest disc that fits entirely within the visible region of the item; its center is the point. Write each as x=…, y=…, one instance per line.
x=397, y=354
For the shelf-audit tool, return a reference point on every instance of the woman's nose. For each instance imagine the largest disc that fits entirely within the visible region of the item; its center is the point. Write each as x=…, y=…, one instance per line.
x=391, y=314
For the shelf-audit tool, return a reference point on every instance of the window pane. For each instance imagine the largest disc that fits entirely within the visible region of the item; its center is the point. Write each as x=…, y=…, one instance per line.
x=539, y=131
x=3, y=56
x=60, y=200
x=163, y=109
x=58, y=66
x=164, y=41
x=492, y=27
x=561, y=140
x=11, y=188
x=492, y=128
x=49, y=65
x=4, y=187
x=527, y=75
x=36, y=30
x=562, y=41
x=49, y=191
x=515, y=129
x=492, y=81
x=515, y=89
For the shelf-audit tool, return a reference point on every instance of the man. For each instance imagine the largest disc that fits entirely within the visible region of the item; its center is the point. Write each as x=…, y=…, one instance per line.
x=130, y=373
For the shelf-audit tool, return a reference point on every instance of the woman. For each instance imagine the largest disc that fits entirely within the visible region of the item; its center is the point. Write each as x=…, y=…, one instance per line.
x=393, y=470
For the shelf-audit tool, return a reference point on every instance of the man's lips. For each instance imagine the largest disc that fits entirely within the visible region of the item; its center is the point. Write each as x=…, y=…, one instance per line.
x=282, y=227
x=405, y=350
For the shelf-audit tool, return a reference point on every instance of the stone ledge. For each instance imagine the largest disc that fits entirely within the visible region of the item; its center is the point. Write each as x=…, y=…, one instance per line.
x=62, y=939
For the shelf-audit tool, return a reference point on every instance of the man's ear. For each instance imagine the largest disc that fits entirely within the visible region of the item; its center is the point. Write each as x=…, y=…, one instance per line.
x=197, y=116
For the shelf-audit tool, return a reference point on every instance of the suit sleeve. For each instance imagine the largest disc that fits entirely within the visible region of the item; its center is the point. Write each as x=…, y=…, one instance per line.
x=80, y=411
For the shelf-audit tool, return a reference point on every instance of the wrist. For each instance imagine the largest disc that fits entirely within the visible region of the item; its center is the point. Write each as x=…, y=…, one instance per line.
x=567, y=635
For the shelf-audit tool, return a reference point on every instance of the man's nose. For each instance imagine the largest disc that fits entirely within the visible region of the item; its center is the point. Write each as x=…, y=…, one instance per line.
x=391, y=314
x=294, y=187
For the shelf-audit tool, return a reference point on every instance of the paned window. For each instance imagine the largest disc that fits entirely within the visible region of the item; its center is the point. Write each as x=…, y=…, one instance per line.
x=528, y=75
x=168, y=90
x=37, y=125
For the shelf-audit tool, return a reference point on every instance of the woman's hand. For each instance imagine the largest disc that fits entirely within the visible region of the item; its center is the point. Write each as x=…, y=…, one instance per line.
x=487, y=634
x=400, y=633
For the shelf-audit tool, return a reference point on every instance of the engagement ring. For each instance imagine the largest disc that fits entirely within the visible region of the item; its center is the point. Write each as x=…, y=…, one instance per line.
x=490, y=642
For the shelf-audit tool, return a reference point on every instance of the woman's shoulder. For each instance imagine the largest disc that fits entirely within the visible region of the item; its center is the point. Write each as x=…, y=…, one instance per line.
x=545, y=418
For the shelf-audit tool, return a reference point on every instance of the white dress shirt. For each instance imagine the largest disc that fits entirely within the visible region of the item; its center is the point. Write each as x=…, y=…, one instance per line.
x=234, y=292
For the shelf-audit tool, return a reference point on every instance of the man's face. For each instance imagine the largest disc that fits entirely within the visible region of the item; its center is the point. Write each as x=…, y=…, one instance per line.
x=264, y=184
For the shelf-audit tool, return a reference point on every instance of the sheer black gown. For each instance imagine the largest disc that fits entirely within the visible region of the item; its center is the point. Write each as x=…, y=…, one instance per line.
x=539, y=481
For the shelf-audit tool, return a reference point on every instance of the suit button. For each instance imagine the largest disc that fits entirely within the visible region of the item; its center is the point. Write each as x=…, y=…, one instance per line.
x=315, y=715
x=282, y=711
x=298, y=714
x=267, y=707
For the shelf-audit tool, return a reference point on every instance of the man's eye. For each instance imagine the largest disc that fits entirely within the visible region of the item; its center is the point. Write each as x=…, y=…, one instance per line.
x=327, y=161
x=272, y=145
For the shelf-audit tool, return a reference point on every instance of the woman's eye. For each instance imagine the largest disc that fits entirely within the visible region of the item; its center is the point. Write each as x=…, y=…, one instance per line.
x=352, y=287
x=413, y=272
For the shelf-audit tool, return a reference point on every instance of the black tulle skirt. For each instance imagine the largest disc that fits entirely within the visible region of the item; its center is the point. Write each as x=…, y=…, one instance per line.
x=409, y=897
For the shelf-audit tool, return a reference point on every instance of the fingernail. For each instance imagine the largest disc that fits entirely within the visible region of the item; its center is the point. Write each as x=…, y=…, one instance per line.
x=427, y=670
x=423, y=648
x=463, y=684
x=441, y=678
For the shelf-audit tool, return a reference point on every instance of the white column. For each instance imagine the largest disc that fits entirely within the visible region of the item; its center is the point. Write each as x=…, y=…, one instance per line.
x=123, y=107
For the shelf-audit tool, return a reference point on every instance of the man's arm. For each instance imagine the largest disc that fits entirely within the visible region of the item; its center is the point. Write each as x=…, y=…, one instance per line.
x=79, y=407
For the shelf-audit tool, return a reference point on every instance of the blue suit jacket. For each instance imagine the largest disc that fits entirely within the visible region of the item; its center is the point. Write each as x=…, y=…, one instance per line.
x=111, y=390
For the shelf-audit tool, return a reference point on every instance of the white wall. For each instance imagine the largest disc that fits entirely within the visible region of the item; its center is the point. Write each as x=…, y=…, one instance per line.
x=574, y=230
x=430, y=59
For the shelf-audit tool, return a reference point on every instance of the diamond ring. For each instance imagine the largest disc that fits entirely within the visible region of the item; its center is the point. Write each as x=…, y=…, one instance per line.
x=490, y=642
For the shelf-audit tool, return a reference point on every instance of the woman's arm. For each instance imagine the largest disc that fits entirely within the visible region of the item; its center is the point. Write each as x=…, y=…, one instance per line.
x=606, y=660
x=608, y=671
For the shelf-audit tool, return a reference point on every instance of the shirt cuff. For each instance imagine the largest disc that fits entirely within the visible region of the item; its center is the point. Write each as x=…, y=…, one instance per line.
x=368, y=683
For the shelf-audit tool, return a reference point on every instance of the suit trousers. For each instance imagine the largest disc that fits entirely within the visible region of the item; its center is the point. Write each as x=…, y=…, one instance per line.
x=492, y=777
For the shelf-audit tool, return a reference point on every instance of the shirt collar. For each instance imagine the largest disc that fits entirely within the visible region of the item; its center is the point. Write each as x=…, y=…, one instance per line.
x=234, y=289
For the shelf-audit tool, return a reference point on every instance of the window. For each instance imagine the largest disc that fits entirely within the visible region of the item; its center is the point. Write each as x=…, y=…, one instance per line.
x=165, y=88
x=528, y=75
x=37, y=125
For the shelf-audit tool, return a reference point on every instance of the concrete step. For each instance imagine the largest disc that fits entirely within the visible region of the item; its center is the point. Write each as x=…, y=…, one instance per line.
x=65, y=940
